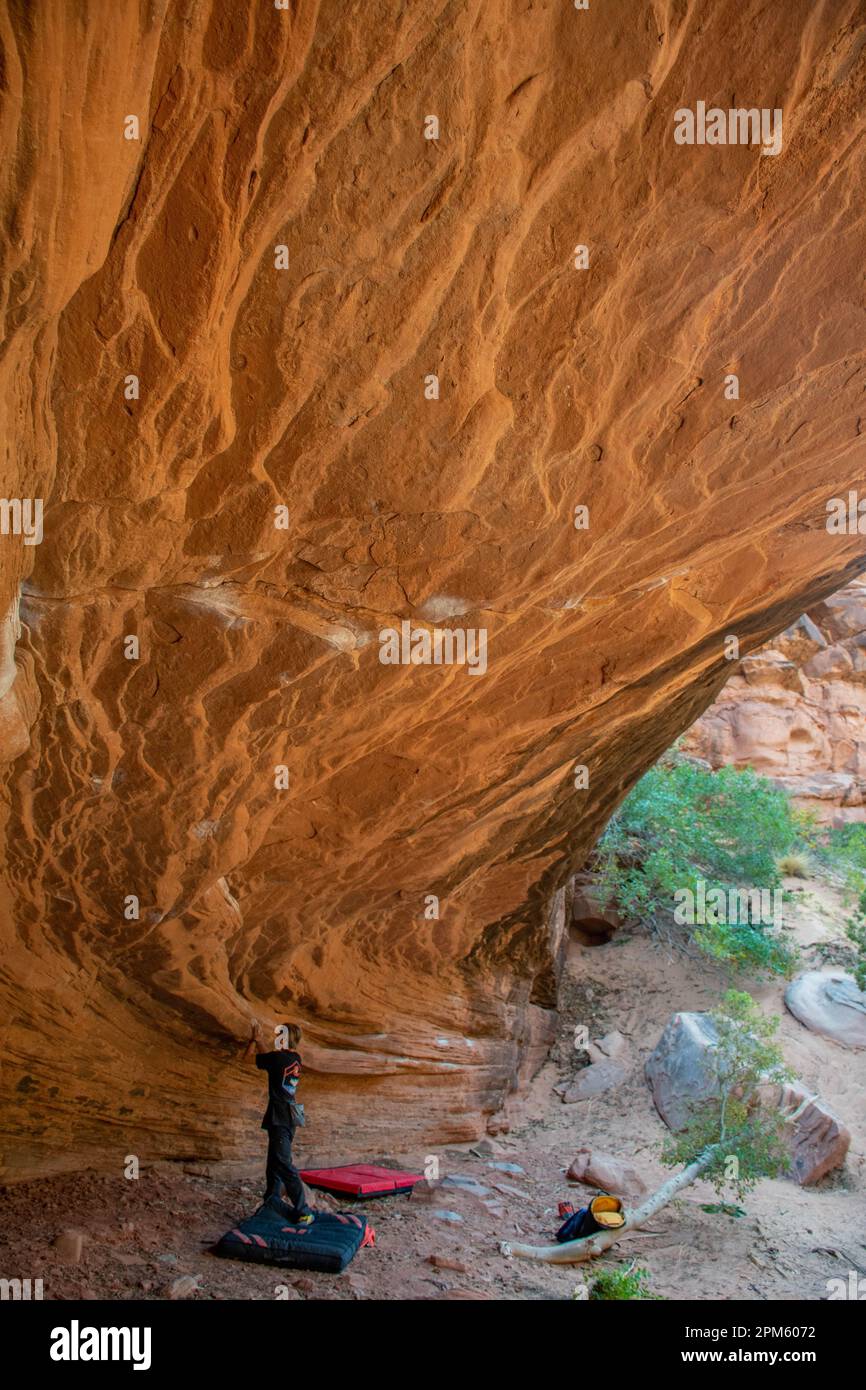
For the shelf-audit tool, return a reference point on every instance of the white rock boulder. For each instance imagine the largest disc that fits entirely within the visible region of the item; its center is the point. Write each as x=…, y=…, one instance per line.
x=829, y=1003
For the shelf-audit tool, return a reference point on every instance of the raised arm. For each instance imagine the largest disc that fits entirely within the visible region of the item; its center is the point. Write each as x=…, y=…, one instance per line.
x=257, y=1042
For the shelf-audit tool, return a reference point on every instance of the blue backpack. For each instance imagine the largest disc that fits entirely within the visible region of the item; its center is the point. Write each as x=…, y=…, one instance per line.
x=604, y=1213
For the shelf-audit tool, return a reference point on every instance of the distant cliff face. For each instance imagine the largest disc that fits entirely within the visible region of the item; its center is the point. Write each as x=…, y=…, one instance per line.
x=796, y=711
x=288, y=374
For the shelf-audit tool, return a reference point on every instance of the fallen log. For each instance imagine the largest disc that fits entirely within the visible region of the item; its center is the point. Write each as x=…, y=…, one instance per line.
x=573, y=1252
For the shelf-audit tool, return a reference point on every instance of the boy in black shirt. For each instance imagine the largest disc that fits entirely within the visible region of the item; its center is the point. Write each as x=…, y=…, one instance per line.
x=283, y=1067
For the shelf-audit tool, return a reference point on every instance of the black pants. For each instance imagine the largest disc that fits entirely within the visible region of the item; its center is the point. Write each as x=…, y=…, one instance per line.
x=281, y=1171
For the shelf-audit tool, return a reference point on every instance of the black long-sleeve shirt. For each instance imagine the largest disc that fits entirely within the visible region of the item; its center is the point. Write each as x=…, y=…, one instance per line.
x=283, y=1069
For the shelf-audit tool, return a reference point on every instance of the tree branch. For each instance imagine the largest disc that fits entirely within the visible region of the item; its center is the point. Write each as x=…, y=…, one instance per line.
x=573, y=1252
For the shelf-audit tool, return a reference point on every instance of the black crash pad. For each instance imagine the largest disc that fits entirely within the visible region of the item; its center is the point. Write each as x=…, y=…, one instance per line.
x=270, y=1237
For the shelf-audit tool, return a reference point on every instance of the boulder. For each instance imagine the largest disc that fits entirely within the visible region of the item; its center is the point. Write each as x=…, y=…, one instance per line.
x=680, y=1070
x=593, y=1080
x=604, y=1170
x=612, y=1045
x=681, y=1074
x=593, y=918
x=817, y=1140
x=830, y=1004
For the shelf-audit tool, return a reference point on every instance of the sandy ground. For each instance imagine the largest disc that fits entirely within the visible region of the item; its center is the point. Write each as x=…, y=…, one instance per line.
x=141, y=1237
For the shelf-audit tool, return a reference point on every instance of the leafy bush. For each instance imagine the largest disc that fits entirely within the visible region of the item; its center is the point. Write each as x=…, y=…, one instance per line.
x=629, y=1283
x=856, y=931
x=844, y=850
x=683, y=823
x=738, y=1139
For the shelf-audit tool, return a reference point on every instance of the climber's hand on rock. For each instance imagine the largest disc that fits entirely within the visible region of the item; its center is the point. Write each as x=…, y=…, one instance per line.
x=258, y=1038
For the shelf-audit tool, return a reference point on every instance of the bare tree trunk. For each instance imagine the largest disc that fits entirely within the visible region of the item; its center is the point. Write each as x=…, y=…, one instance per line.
x=574, y=1252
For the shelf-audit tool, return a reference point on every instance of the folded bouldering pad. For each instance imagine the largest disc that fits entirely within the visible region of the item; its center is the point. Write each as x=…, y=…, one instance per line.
x=270, y=1237
x=360, y=1180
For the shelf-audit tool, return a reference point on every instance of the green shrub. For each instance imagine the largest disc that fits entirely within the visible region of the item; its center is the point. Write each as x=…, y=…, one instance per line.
x=621, y=1284
x=844, y=850
x=683, y=823
x=856, y=931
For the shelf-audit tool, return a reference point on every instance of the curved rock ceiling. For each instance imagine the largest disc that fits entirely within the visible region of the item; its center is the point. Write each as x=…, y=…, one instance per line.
x=307, y=388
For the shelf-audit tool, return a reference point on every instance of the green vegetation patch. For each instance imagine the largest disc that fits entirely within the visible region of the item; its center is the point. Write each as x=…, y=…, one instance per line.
x=685, y=827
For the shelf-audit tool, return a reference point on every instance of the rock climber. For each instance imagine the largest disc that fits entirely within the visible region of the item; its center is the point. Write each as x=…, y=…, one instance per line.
x=283, y=1115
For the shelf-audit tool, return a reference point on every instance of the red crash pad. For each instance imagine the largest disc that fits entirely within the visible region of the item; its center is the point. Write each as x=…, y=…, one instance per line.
x=360, y=1180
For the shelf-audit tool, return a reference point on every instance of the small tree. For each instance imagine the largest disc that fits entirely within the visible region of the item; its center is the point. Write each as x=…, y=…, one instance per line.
x=856, y=931
x=731, y=1139
x=734, y=1138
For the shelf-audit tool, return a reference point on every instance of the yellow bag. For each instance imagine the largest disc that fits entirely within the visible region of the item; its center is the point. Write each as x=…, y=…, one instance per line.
x=604, y=1213
x=607, y=1213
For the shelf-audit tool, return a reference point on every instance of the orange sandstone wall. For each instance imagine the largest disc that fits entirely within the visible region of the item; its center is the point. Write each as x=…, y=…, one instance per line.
x=307, y=388
x=796, y=711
